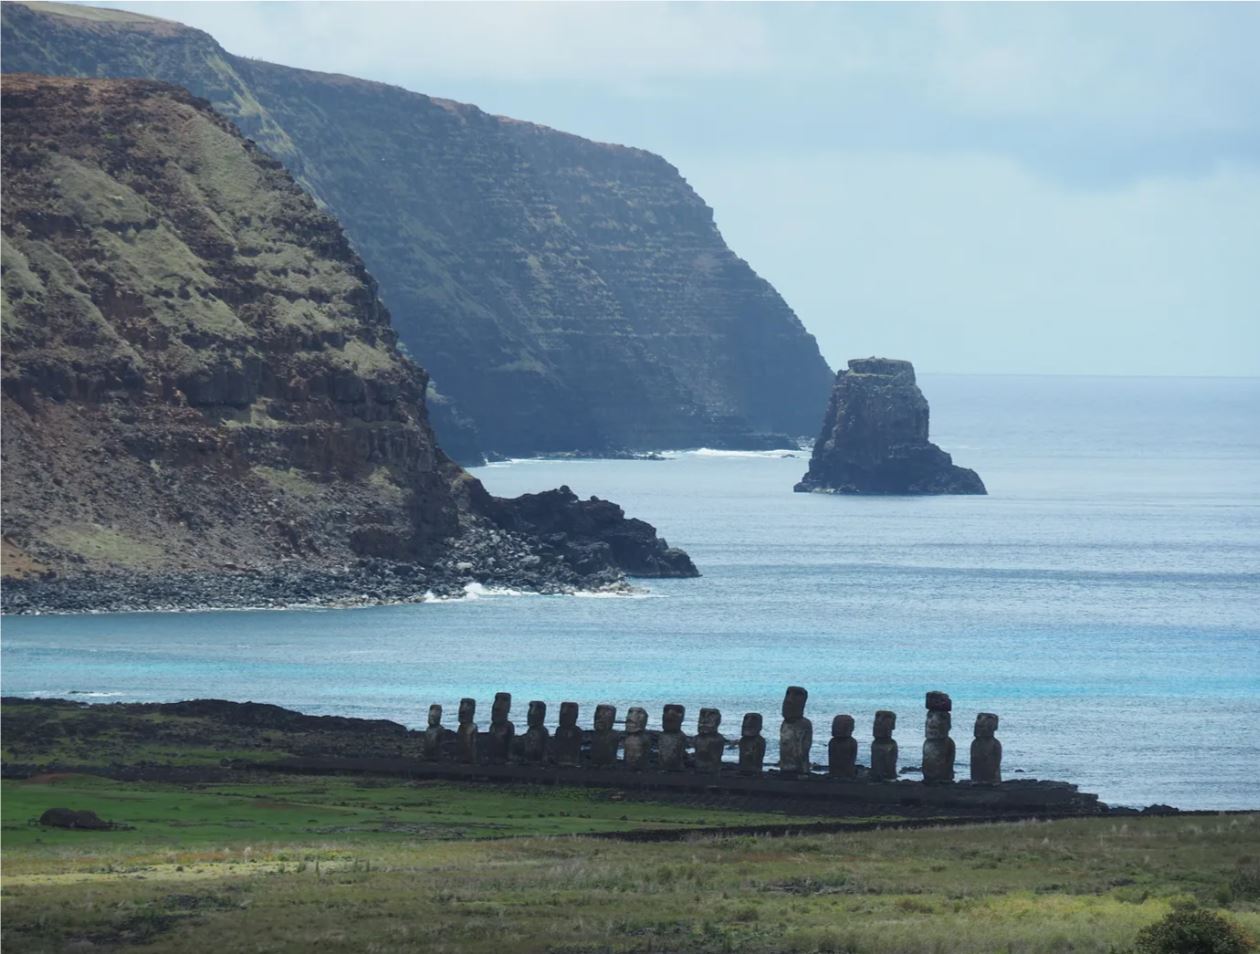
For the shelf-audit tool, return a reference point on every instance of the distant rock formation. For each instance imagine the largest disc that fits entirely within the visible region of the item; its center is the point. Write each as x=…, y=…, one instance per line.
x=563, y=294
x=875, y=438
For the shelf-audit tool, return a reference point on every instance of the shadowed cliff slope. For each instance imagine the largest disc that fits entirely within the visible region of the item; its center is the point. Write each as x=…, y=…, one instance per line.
x=199, y=376
x=566, y=294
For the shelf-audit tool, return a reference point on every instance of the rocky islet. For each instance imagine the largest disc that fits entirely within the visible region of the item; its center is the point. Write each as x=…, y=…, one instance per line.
x=874, y=438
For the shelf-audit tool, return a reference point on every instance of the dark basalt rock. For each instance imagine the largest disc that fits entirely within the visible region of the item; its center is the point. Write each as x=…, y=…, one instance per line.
x=587, y=534
x=70, y=818
x=875, y=438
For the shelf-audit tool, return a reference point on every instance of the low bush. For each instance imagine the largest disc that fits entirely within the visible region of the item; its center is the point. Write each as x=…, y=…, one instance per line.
x=1193, y=931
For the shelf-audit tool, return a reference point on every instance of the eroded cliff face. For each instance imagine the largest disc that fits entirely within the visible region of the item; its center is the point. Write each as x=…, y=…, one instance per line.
x=199, y=378
x=875, y=438
x=564, y=294
x=197, y=370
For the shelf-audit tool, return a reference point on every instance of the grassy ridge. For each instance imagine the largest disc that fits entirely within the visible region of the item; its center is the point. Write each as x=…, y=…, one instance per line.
x=361, y=864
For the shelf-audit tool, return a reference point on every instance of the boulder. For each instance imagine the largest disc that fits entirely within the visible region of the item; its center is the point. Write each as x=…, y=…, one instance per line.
x=72, y=818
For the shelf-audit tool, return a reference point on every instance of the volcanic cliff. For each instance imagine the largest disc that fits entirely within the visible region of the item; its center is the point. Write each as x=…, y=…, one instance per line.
x=199, y=378
x=875, y=438
x=564, y=294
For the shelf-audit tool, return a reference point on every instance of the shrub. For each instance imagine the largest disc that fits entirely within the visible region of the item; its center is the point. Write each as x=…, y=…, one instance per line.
x=1193, y=931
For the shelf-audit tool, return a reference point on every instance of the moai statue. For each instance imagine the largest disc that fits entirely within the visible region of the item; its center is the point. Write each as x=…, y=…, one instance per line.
x=938, y=748
x=752, y=747
x=986, y=751
x=672, y=744
x=499, y=743
x=466, y=735
x=432, y=746
x=708, y=743
x=534, y=742
x=884, y=748
x=606, y=740
x=842, y=749
x=796, y=735
x=636, y=742
x=566, y=744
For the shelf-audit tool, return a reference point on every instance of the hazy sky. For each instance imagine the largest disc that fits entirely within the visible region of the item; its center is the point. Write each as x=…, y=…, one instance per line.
x=979, y=188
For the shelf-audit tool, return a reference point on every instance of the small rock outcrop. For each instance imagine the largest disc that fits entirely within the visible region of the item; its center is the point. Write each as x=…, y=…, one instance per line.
x=585, y=534
x=875, y=438
x=83, y=819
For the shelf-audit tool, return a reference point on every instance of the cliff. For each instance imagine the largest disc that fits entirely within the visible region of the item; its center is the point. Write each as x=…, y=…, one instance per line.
x=199, y=378
x=564, y=294
x=875, y=438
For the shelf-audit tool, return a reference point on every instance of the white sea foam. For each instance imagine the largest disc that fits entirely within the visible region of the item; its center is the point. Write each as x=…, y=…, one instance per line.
x=479, y=591
x=766, y=454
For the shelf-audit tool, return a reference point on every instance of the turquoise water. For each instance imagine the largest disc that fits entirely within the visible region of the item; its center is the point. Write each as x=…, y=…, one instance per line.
x=1104, y=600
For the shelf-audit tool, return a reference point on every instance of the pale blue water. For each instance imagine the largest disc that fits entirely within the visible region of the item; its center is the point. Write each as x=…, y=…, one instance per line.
x=1104, y=600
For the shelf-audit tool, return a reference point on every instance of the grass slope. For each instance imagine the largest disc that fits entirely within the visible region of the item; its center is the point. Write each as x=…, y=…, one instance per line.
x=355, y=865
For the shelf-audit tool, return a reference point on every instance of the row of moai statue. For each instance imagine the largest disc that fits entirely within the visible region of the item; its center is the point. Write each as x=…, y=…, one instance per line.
x=796, y=734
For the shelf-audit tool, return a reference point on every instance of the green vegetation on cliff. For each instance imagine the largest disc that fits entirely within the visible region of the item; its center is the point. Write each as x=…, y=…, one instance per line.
x=564, y=293
x=182, y=325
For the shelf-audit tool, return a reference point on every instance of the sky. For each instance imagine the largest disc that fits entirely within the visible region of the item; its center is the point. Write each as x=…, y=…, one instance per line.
x=979, y=188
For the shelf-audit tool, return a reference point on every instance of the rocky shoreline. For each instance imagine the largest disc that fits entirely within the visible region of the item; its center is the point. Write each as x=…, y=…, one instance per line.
x=568, y=560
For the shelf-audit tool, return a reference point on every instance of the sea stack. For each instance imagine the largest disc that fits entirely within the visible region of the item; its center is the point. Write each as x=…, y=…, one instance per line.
x=875, y=438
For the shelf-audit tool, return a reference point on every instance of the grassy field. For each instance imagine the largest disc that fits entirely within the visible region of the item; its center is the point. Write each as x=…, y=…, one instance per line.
x=299, y=864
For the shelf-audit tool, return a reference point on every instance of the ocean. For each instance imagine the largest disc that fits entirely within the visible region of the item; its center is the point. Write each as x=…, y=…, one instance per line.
x=1104, y=600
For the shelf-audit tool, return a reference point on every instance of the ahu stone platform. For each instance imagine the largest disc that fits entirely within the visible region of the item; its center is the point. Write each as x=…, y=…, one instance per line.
x=667, y=759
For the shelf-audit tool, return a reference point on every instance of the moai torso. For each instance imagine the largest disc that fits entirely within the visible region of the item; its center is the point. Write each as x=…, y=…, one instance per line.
x=566, y=744
x=986, y=751
x=499, y=739
x=466, y=735
x=796, y=736
x=842, y=749
x=938, y=747
x=752, y=747
x=605, y=740
x=708, y=743
x=432, y=746
x=884, y=747
x=671, y=751
x=534, y=742
x=636, y=742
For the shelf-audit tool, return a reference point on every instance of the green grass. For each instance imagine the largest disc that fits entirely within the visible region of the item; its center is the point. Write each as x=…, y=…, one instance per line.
x=284, y=809
x=238, y=882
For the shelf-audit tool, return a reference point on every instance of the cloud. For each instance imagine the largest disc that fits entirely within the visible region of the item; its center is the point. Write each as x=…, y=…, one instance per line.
x=970, y=263
x=610, y=43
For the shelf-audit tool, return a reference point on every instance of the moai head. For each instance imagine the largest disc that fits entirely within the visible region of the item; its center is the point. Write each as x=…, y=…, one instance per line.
x=842, y=727
x=710, y=719
x=938, y=724
x=751, y=727
x=435, y=716
x=636, y=719
x=501, y=708
x=885, y=723
x=467, y=710
x=986, y=725
x=605, y=716
x=794, y=703
x=568, y=714
x=672, y=718
x=537, y=714
x=938, y=702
